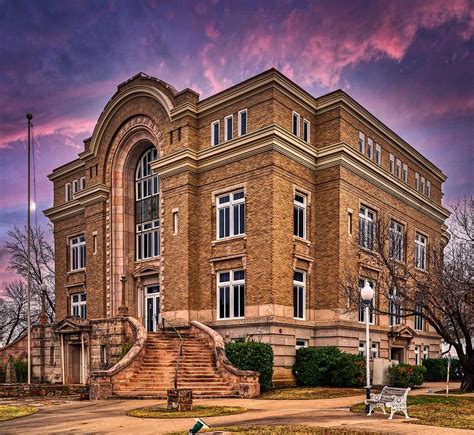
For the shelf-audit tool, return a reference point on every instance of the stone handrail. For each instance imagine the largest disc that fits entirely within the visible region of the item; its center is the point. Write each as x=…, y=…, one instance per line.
x=248, y=379
x=101, y=380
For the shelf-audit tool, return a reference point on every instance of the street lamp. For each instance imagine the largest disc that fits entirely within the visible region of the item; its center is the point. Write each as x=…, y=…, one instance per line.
x=367, y=295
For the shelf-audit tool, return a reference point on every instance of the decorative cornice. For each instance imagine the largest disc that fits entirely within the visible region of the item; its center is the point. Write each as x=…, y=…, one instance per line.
x=66, y=169
x=81, y=200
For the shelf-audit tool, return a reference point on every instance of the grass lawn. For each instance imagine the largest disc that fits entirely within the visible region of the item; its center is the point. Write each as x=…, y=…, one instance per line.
x=308, y=393
x=198, y=411
x=453, y=412
x=285, y=430
x=9, y=412
x=456, y=391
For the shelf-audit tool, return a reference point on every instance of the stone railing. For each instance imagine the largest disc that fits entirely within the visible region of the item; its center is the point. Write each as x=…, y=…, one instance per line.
x=102, y=381
x=246, y=381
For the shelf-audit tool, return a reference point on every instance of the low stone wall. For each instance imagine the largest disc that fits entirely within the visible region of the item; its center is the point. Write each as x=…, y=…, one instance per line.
x=44, y=390
x=246, y=381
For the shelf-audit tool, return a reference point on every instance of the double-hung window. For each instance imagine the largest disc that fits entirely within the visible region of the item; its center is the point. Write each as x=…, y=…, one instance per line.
x=422, y=185
x=399, y=168
x=417, y=181
x=229, y=127
x=299, y=294
x=370, y=148
x=82, y=183
x=148, y=240
x=426, y=352
x=231, y=294
x=75, y=186
x=295, y=124
x=78, y=305
x=417, y=355
x=428, y=189
x=215, y=133
x=306, y=130
x=405, y=173
x=394, y=308
x=397, y=235
x=361, y=142
x=78, y=252
x=299, y=215
x=230, y=214
x=418, y=318
x=362, y=283
x=378, y=154
x=420, y=251
x=243, y=121
x=366, y=227
x=392, y=164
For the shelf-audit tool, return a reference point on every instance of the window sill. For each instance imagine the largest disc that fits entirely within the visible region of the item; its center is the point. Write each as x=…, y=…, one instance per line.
x=301, y=240
x=421, y=270
x=144, y=260
x=230, y=318
x=72, y=272
x=229, y=239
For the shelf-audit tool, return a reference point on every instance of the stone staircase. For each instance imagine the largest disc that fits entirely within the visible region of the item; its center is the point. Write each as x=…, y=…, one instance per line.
x=197, y=369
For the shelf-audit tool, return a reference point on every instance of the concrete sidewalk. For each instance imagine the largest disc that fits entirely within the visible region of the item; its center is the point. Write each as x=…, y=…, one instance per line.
x=109, y=417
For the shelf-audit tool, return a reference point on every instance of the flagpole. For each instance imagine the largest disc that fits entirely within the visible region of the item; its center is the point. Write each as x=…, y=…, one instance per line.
x=29, y=117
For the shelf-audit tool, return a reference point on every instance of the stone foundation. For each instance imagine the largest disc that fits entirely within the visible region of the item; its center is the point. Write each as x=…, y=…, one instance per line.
x=44, y=390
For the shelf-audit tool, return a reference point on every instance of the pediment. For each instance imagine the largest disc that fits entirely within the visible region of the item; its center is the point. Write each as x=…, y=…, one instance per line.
x=403, y=331
x=71, y=325
x=146, y=270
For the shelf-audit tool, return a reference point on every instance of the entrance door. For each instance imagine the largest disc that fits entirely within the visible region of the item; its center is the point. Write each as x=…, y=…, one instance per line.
x=396, y=353
x=152, y=307
x=74, y=364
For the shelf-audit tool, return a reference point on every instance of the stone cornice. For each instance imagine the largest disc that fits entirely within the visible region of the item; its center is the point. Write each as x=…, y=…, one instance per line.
x=81, y=200
x=67, y=169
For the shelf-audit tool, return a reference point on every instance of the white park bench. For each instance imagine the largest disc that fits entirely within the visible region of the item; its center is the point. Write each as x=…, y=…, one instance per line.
x=390, y=397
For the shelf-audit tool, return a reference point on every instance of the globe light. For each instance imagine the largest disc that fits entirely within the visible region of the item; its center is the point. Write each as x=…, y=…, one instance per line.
x=367, y=293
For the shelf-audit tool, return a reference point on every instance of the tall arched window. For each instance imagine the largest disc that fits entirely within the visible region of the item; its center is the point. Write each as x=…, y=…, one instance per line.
x=147, y=223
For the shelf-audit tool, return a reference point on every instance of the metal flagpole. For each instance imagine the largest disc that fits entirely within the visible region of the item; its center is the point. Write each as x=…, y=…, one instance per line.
x=29, y=117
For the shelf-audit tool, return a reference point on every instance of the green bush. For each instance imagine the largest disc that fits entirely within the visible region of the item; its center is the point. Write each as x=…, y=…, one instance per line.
x=328, y=366
x=2, y=373
x=405, y=375
x=437, y=369
x=21, y=368
x=253, y=356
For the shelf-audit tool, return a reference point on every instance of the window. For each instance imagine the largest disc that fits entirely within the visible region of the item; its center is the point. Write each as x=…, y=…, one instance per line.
x=231, y=214
x=370, y=148
x=78, y=305
x=68, y=192
x=362, y=348
x=417, y=181
x=366, y=227
x=422, y=185
x=243, y=122
x=296, y=124
x=405, y=173
x=306, y=130
x=94, y=244
x=397, y=234
x=394, y=308
x=75, y=186
x=299, y=215
x=375, y=349
x=215, y=133
x=392, y=164
x=399, y=168
x=147, y=194
x=362, y=283
x=299, y=294
x=78, y=252
x=301, y=343
x=82, y=183
x=361, y=142
x=229, y=127
x=418, y=318
x=428, y=189
x=175, y=222
x=420, y=251
x=349, y=223
x=378, y=154
x=426, y=352
x=231, y=294
x=103, y=354
x=417, y=355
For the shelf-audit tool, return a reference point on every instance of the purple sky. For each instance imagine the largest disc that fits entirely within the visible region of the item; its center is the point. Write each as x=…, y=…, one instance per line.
x=408, y=62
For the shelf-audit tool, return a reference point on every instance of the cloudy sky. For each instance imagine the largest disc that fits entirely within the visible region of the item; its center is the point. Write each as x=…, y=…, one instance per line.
x=409, y=62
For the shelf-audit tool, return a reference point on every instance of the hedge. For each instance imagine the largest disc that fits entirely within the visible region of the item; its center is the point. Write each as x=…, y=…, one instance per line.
x=21, y=368
x=437, y=369
x=405, y=375
x=254, y=356
x=328, y=366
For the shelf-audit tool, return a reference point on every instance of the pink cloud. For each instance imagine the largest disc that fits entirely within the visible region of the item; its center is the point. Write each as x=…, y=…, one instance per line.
x=211, y=31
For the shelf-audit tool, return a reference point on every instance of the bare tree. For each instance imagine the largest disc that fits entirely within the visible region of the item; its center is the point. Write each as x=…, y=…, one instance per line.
x=13, y=298
x=431, y=282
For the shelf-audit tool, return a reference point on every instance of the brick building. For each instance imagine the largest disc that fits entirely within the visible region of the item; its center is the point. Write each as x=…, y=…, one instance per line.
x=241, y=211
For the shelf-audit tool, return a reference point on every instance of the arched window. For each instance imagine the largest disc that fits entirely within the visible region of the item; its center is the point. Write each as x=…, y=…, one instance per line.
x=147, y=223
